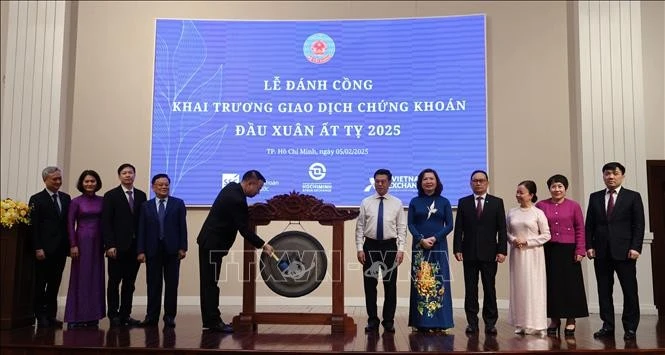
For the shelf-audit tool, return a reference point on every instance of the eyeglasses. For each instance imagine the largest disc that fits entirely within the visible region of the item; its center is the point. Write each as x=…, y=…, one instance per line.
x=479, y=181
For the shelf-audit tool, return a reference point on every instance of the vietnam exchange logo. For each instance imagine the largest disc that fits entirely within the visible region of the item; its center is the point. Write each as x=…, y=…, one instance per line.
x=319, y=48
x=317, y=171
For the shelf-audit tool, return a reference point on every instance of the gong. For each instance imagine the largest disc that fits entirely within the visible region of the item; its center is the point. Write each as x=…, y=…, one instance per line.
x=298, y=265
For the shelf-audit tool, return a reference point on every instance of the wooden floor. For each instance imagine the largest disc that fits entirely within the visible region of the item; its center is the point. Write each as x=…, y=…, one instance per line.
x=189, y=338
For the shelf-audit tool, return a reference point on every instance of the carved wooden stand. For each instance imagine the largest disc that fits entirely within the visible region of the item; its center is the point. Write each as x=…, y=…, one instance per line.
x=296, y=207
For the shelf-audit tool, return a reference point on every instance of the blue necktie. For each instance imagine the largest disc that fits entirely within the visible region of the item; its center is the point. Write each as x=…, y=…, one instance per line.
x=379, y=221
x=161, y=212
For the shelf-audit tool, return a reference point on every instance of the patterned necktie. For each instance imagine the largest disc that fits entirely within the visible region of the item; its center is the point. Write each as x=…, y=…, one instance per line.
x=479, y=207
x=161, y=211
x=55, y=201
x=610, y=203
x=130, y=199
x=379, y=221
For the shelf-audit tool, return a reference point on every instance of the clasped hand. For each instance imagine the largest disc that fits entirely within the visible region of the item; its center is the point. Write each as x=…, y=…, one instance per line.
x=520, y=243
x=428, y=243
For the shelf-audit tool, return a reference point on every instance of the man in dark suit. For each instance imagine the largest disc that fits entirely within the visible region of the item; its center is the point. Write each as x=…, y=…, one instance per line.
x=162, y=243
x=614, y=235
x=480, y=243
x=228, y=215
x=120, y=219
x=49, y=239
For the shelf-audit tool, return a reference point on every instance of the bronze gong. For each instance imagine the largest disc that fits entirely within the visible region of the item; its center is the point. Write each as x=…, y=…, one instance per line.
x=298, y=265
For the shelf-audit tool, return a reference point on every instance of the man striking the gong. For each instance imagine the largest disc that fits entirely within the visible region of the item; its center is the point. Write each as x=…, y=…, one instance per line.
x=380, y=240
x=228, y=216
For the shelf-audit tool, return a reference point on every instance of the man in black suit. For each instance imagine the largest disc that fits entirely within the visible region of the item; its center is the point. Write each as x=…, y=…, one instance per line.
x=51, y=244
x=228, y=215
x=120, y=219
x=614, y=235
x=480, y=243
x=162, y=243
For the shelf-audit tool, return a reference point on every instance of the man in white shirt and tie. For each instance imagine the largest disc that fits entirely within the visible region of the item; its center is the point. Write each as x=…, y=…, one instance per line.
x=380, y=241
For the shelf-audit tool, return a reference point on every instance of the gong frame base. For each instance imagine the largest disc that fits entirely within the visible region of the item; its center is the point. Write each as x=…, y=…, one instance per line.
x=296, y=207
x=248, y=322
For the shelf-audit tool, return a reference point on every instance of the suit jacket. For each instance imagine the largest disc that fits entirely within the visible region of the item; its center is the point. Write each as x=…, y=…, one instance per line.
x=480, y=239
x=49, y=230
x=119, y=224
x=612, y=237
x=175, y=227
x=228, y=216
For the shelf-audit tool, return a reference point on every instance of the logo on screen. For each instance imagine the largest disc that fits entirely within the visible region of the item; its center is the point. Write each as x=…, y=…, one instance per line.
x=227, y=178
x=319, y=48
x=370, y=186
x=399, y=183
x=317, y=171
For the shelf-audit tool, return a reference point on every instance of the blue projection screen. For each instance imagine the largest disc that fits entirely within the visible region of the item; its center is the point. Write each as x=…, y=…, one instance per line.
x=318, y=106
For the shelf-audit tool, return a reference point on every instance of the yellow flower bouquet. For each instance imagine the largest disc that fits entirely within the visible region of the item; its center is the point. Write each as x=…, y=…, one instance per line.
x=14, y=212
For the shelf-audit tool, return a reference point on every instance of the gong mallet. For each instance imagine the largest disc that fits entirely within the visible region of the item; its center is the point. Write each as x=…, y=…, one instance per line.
x=281, y=264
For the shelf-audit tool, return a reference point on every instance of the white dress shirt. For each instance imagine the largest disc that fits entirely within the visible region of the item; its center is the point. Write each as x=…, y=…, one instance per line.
x=607, y=196
x=394, y=220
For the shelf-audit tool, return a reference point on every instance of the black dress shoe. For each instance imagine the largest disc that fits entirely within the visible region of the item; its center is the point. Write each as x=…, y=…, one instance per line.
x=491, y=330
x=115, y=321
x=470, y=329
x=371, y=329
x=75, y=325
x=129, y=321
x=630, y=335
x=169, y=322
x=603, y=332
x=554, y=330
x=220, y=327
x=389, y=329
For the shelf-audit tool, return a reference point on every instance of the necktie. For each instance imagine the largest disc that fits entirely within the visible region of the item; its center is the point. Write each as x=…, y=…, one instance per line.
x=161, y=211
x=379, y=221
x=130, y=198
x=479, y=207
x=610, y=203
x=55, y=202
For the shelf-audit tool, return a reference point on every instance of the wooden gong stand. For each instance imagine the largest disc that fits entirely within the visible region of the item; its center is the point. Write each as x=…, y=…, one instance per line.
x=296, y=207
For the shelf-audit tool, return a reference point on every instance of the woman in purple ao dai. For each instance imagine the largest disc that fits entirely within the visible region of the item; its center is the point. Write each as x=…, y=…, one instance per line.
x=86, y=304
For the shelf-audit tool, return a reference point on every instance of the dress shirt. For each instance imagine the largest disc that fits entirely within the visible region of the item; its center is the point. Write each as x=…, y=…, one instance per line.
x=50, y=193
x=616, y=196
x=124, y=189
x=157, y=199
x=475, y=200
x=394, y=220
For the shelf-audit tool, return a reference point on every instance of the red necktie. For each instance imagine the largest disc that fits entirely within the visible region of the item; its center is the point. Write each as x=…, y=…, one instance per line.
x=479, y=207
x=610, y=203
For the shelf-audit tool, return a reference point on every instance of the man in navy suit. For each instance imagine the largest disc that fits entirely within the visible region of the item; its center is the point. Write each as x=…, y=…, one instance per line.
x=120, y=222
x=614, y=235
x=162, y=243
x=49, y=239
x=480, y=243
